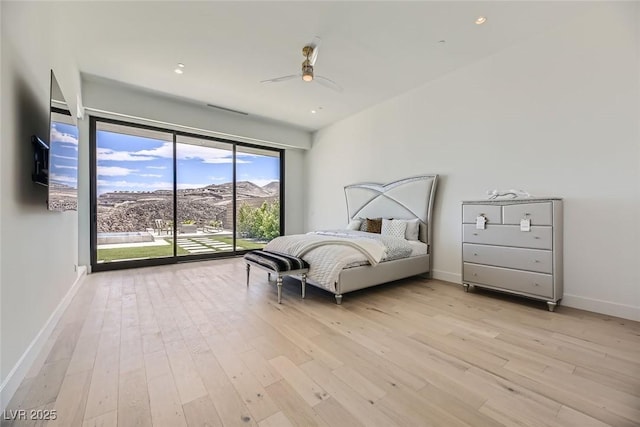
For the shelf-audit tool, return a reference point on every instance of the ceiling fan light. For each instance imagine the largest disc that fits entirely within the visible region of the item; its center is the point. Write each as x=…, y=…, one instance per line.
x=307, y=73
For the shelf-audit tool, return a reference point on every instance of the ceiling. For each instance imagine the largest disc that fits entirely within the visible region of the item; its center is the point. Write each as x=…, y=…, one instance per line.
x=374, y=50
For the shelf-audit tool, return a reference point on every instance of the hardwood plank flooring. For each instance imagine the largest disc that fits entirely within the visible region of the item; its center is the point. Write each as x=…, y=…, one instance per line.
x=191, y=345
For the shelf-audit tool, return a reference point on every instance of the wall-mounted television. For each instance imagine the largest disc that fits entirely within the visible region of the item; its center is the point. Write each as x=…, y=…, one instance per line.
x=40, y=173
x=56, y=159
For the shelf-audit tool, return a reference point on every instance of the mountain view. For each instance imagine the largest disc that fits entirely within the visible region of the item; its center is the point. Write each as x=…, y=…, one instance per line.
x=127, y=211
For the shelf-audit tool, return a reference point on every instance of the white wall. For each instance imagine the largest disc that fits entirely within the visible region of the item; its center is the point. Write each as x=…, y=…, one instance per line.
x=111, y=96
x=107, y=98
x=556, y=115
x=39, y=248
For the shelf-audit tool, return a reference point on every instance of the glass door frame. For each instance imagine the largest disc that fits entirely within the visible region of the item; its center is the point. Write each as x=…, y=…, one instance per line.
x=174, y=259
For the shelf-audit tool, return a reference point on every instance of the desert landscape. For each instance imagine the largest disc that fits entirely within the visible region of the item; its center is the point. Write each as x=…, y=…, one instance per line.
x=127, y=211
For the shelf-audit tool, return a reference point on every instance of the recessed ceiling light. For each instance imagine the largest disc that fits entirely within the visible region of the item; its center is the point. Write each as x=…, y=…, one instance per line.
x=313, y=111
x=481, y=20
x=178, y=71
x=180, y=65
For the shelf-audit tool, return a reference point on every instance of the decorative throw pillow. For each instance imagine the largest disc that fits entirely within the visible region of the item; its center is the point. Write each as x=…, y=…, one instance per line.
x=354, y=224
x=413, y=229
x=372, y=225
x=394, y=227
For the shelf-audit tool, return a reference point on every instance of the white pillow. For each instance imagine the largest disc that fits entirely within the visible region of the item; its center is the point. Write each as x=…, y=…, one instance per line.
x=413, y=229
x=354, y=224
x=394, y=227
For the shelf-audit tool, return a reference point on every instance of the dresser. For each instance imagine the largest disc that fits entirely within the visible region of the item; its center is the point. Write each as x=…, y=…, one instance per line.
x=514, y=246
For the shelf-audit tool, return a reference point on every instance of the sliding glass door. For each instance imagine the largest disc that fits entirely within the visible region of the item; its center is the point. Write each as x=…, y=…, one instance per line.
x=257, y=196
x=134, y=193
x=204, y=196
x=160, y=196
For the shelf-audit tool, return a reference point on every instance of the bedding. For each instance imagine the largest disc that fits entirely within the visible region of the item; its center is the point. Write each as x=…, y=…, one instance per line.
x=354, y=224
x=329, y=252
x=418, y=248
x=394, y=227
x=371, y=225
x=343, y=261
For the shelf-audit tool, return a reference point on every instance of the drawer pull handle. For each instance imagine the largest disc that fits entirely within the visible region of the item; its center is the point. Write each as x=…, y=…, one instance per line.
x=535, y=260
x=475, y=274
x=536, y=237
x=475, y=254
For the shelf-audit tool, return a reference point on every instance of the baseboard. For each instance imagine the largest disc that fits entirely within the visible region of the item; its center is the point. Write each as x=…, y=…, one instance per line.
x=447, y=276
x=21, y=368
x=583, y=303
x=603, y=307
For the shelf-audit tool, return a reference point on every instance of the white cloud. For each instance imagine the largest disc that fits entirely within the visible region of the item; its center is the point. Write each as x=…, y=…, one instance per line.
x=150, y=175
x=58, y=156
x=57, y=136
x=191, y=152
x=104, y=154
x=114, y=171
x=136, y=185
x=165, y=151
x=62, y=178
x=66, y=167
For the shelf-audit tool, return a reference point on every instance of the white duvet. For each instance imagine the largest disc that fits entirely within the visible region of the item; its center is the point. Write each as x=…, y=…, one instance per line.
x=328, y=252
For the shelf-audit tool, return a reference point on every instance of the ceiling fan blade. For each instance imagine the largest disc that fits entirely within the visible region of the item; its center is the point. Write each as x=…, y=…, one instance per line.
x=281, y=79
x=328, y=83
x=316, y=45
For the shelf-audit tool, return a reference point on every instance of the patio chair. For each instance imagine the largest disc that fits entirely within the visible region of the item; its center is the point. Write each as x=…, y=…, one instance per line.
x=162, y=225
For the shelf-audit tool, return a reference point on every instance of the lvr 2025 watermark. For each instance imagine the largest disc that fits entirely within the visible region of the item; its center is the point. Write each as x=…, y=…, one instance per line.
x=29, y=414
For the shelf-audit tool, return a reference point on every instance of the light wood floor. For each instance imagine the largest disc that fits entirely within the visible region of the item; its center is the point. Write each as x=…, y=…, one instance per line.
x=191, y=345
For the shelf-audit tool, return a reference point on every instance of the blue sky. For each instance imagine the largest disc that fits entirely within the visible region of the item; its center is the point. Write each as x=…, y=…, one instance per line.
x=134, y=163
x=63, y=155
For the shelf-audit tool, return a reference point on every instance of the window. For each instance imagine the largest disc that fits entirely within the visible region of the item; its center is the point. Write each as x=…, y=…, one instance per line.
x=161, y=196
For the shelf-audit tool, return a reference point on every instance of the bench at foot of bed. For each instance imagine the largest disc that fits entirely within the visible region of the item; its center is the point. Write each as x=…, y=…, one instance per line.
x=279, y=264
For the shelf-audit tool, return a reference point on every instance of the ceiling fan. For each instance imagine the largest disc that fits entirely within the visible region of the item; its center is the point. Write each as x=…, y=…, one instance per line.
x=310, y=53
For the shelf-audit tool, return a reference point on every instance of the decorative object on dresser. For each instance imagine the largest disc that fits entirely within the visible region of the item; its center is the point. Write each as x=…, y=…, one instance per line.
x=514, y=246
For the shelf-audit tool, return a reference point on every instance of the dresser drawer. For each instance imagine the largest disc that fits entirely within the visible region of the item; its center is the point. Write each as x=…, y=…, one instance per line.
x=538, y=213
x=539, y=237
x=537, y=284
x=493, y=213
x=523, y=259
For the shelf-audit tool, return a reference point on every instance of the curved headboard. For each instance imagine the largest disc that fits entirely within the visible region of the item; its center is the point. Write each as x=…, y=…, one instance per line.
x=408, y=198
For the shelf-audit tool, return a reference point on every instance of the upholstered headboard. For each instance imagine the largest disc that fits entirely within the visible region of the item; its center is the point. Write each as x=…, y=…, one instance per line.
x=407, y=198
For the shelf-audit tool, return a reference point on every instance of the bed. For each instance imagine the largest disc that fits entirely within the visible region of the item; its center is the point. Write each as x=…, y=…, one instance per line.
x=347, y=260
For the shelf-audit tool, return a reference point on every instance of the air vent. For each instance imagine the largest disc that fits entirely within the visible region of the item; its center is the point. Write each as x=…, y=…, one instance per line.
x=227, y=109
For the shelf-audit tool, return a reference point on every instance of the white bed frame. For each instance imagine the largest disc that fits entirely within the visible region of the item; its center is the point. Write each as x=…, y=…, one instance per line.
x=407, y=198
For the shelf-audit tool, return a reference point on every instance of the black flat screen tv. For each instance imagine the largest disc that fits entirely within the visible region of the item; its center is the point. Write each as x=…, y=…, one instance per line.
x=40, y=161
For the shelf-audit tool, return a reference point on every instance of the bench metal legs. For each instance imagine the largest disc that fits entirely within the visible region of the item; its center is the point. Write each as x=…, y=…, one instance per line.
x=279, y=280
x=279, y=283
x=304, y=283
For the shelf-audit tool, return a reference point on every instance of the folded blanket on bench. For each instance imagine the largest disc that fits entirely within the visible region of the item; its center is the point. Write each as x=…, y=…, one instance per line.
x=278, y=262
